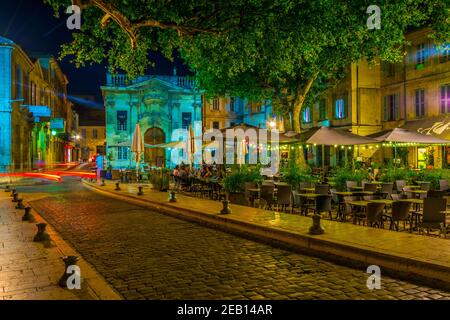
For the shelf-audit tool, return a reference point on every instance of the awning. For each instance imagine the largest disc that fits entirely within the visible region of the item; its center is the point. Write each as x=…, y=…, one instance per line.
x=400, y=135
x=330, y=136
x=437, y=126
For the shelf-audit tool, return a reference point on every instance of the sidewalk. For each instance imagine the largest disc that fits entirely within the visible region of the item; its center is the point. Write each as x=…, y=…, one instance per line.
x=419, y=256
x=30, y=270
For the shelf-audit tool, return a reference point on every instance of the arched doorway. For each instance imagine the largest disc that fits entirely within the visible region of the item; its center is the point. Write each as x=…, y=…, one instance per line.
x=155, y=156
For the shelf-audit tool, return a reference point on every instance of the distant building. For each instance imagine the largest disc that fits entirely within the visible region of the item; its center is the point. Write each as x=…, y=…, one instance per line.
x=36, y=122
x=414, y=94
x=92, y=138
x=160, y=104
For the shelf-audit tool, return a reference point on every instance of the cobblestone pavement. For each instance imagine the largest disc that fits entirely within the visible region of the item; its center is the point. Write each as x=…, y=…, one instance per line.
x=147, y=255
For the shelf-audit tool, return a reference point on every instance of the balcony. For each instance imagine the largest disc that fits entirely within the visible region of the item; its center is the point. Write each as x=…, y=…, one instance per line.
x=122, y=80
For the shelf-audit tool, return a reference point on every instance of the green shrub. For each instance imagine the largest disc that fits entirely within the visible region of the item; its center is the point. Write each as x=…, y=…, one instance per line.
x=342, y=175
x=392, y=173
x=234, y=182
x=433, y=176
x=293, y=174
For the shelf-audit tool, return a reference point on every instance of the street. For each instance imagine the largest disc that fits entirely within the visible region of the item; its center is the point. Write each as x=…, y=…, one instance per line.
x=148, y=255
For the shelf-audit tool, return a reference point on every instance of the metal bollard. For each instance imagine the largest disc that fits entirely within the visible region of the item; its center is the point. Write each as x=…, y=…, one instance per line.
x=226, y=209
x=7, y=189
x=140, y=193
x=28, y=216
x=316, y=228
x=20, y=204
x=172, y=196
x=15, y=197
x=117, y=186
x=41, y=235
x=68, y=261
x=103, y=183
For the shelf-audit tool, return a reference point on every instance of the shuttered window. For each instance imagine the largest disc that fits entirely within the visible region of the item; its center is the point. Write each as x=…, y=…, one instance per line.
x=445, y=98
x=419, y=103
x=392, y=107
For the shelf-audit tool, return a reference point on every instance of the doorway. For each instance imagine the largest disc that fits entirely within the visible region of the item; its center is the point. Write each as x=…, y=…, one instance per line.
x=155, y=157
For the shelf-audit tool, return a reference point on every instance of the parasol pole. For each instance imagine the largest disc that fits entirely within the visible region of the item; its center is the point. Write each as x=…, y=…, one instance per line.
x=323, y=162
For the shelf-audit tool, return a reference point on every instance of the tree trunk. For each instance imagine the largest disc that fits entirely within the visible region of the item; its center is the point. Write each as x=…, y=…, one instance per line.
x=298, y=103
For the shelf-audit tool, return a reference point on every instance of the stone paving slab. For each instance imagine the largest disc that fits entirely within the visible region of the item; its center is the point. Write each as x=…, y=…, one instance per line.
x=418, y=255
x=31, y=271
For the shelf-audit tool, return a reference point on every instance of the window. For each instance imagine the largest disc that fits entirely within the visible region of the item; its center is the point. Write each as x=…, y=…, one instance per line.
x=322, y=109
x=122, y=117
x=216, y=125
x=122, y=153
x=444, y=53
x=420, y=53
x=445, y=98
x=306, y=115
x=83, y=133
x=420, y=103
x=339, y=109
x=186, y=120
x=232, y=105
x=94, y=133
x=392, y=107
x=256, y=107
x=18, y=82
x=216, y=104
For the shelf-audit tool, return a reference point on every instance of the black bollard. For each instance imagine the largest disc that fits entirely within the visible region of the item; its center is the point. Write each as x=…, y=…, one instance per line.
x=140, y=193
x=7, y=189
x=15, y=197
x=20, y=204
x=68, y=261
x=226, y=209
x=117, y=186
x=41, y=235
x=103, y=183
x=316, y=228
x=28, y=216
x=172, y=196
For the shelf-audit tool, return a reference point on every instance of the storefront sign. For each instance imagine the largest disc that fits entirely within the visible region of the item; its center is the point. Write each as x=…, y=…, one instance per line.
x=437, y=128
x=57, y=124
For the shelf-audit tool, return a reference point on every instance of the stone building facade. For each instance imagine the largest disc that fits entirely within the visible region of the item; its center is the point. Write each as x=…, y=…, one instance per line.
x=36, y=122
x=160, y=104
x=414, y=94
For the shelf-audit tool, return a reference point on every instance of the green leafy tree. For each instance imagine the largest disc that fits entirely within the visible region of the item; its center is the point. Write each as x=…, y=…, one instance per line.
x=288, y=51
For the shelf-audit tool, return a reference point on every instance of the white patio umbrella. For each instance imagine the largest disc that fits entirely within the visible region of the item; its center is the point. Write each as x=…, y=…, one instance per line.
x=191, y=146
x=137, y=146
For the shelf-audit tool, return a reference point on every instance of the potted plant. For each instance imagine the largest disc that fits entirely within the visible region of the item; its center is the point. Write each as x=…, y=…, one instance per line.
x=234, y=183
x=345, y=174
x=294, y=174
x=160, y=179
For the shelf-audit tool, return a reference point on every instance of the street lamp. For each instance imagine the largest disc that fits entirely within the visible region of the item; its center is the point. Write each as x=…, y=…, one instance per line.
x=272, y=124
x=53, y=133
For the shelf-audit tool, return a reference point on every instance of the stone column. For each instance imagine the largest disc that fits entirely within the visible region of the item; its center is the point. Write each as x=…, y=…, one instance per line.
x=5, y=106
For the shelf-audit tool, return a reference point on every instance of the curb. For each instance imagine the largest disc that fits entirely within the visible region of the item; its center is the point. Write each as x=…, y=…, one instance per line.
x=400, y=266
x=97, y=285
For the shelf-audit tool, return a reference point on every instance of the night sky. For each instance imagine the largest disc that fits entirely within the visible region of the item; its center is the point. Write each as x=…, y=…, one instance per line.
x=32, y=25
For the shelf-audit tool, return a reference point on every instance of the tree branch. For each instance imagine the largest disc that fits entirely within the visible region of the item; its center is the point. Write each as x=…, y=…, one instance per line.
x=132, y=28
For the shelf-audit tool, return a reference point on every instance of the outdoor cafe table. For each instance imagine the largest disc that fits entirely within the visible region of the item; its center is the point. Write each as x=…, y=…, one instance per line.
x=417, y=192
x=412, y=187
x=416, y=202
x=308, y=190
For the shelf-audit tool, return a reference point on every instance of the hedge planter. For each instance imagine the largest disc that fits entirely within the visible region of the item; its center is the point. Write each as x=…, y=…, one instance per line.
x=237, y=198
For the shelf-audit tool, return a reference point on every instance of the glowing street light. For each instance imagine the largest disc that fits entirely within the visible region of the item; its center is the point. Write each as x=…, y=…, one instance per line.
x=53, y=133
